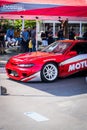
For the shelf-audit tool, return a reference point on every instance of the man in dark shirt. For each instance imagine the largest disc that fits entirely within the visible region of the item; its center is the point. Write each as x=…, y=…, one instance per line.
x=71, y=34
x=50, y=36
x=85, y=35
x=2, y=41
x=44, y=39
x=33, y=38
x=60, y=34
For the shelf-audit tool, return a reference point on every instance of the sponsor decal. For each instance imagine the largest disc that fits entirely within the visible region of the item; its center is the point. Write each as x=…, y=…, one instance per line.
x=12, y=7
x=79, y=65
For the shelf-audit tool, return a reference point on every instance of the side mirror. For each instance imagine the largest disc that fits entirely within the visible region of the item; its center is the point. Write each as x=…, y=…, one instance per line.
x=72, y=53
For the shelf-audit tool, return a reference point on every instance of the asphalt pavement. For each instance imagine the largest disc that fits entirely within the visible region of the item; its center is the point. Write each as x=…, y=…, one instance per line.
x=61, y=105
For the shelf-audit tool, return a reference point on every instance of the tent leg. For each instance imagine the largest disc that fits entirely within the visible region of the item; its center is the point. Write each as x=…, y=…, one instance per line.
x=53, y=29
x=36, y=34
x=80, y=29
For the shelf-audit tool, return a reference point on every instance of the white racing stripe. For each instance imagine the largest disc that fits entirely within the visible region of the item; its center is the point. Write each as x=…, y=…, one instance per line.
x=34, y=77
x=35, y=116
x=74, y=59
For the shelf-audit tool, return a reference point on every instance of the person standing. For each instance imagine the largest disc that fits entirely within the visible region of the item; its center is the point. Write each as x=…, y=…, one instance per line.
x=50, y=36
x=44, y=39
x=25, y=40
x=17, y=36
x=2, y=40
x=85, y=35
x=60, y=34
x=10, y=36
x=33, y=38
x=71, y=34
x=29, y=31
x=64, y=25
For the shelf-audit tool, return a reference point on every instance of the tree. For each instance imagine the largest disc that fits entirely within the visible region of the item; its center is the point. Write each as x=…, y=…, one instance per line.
x=17, y=23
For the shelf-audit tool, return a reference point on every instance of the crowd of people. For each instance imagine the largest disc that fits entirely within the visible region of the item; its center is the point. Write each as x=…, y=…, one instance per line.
x=47, y=36
x=62, y=33
x=27, y=37
x=13, y=37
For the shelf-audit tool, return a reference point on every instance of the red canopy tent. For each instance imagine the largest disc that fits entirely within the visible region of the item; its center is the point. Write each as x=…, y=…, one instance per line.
x=43, y=9
x=57, y=2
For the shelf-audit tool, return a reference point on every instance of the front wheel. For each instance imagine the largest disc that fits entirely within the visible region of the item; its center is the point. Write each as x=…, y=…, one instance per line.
x=49, y=72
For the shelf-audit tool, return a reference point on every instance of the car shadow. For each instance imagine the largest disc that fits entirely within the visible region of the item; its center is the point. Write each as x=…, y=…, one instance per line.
x=70, y=86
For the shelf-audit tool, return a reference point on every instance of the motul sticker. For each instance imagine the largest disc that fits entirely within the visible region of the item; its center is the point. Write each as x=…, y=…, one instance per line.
x=79, y=65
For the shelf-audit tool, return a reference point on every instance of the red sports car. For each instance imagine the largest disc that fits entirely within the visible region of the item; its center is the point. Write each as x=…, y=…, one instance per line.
x=60, y=59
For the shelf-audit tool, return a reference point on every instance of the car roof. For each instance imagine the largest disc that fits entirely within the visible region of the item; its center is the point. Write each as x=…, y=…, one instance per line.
x=73, y=41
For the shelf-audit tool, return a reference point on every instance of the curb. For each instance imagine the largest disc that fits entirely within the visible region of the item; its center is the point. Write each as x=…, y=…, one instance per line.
x=2, y=66
x=2, y=63
x=3, y=90
x=2, y=70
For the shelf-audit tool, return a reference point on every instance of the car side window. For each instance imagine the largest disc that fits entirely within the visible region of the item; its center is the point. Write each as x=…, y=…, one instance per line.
x=81, y=48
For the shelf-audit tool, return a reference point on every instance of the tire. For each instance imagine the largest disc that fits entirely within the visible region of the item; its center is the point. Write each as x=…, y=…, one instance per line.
x=49, y=72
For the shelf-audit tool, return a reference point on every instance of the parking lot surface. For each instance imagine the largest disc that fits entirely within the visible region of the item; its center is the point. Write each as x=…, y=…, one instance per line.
x=61, y=105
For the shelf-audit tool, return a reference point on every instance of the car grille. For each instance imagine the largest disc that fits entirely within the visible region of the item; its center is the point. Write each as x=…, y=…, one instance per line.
x=12, y=73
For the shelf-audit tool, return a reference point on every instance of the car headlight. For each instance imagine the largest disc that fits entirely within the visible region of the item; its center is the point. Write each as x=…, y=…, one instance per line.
x=25, y=65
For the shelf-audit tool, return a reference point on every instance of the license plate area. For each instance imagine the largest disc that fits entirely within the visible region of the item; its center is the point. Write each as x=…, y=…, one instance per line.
x=13, y=73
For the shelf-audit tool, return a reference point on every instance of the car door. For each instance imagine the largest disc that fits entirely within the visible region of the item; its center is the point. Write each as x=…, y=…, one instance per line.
x=75, y=63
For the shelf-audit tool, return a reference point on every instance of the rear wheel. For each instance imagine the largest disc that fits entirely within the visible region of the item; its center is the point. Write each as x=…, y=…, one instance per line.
x=49, y=72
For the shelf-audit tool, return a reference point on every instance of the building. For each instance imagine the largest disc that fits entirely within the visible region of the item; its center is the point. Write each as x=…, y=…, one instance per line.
x=79, y=26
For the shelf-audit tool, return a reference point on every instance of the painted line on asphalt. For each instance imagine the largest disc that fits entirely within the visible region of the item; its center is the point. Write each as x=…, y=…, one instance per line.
x=2, y=63
x=35, y=116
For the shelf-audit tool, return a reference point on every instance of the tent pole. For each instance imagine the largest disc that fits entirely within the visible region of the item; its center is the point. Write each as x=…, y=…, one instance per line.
x=53, y=29
x=80, y=29
x=36, y=34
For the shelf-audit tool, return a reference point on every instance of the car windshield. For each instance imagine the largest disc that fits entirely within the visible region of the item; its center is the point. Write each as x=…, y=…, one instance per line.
x=57, y=47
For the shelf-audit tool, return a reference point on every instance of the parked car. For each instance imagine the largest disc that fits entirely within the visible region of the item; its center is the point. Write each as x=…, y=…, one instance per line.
x=60, y=59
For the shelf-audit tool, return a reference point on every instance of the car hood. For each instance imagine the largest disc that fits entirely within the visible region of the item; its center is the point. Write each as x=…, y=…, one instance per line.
x=30, y=57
